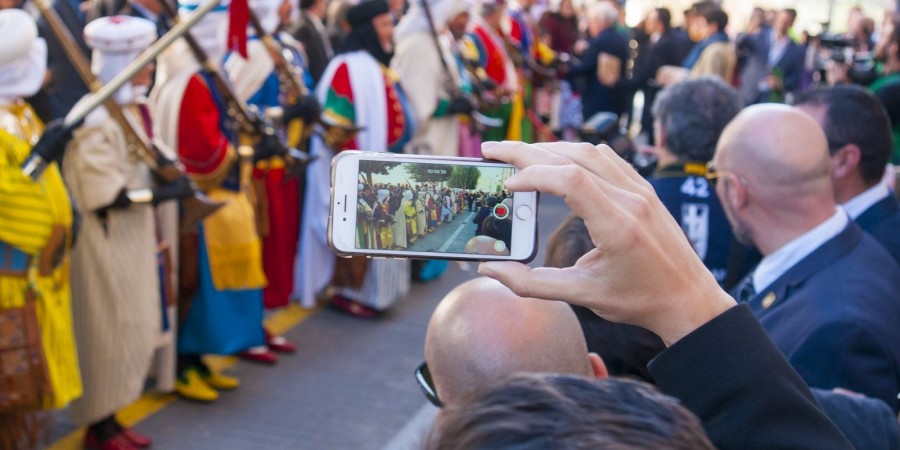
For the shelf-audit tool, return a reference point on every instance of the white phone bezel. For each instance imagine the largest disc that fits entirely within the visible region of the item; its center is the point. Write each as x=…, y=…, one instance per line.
x=342, y=216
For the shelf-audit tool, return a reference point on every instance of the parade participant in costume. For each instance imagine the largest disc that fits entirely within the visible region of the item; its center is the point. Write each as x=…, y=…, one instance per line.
x=433, y=212
x=433, y=86
x=397, y=203
x=523, y=35
x=256, y=79
x=486, y=46
x=365, y=216
x=220, y=265
x=114, y=271
x=421, y=214
x=357, y=89
x=35, y=227
x=383, y=220
x=457, y=25
x=409, y=214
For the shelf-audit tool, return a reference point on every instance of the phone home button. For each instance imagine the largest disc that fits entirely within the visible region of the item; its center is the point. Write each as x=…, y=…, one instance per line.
x=523, y=212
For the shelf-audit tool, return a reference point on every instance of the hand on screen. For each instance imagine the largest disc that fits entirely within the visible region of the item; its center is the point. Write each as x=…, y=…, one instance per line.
x=643, y=270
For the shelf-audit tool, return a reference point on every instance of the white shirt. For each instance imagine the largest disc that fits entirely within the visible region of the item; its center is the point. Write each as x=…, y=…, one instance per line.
x=856, y=206
x=777, y=48
x=776, y=264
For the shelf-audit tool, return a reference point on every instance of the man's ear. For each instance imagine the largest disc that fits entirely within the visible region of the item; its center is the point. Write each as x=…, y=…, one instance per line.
x=598, y=366
x=736, y=192
x=845, y=161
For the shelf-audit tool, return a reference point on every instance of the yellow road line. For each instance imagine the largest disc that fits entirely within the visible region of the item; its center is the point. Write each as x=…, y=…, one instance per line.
x=152, y=402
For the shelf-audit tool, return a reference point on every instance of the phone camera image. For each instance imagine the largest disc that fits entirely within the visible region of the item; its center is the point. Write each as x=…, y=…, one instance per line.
x=434, y=208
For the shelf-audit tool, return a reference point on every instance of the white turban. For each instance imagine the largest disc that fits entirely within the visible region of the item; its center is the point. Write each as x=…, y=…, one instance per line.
x=117, y=41
x=23, y=56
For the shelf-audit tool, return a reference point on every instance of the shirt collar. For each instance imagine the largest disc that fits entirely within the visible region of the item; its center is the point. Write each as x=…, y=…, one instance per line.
x=774, y=265
x=856, y=206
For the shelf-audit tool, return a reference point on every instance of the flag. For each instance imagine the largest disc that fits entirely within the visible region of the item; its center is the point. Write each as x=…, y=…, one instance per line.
x=238, y=19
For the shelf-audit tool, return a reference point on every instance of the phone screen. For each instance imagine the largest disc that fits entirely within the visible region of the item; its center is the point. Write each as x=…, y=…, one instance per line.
x=434, y=208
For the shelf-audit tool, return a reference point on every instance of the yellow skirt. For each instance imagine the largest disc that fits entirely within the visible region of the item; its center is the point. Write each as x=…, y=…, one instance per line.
x=54, y=312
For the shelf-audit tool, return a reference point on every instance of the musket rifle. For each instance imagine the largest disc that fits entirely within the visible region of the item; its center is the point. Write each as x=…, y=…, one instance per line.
x=288, y=77
x=451, y=87
x=35, y=164
x=291, y=79
x=251, y=126
x=196, y=207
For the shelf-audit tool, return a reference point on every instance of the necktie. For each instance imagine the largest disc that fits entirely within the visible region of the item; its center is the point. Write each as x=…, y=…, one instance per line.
x=744, y=291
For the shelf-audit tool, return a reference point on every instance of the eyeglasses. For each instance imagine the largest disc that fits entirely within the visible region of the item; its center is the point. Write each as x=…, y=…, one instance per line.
x=426, y=384
x=712, y=174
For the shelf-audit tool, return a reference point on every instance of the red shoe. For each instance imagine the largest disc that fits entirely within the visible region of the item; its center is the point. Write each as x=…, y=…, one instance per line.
x=351, y=307
x=259, y=355
x=280, y=344
x=136, y=439
x=119, y=442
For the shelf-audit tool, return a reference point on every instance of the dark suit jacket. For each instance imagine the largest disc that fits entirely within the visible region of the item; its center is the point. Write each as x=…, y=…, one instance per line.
x=836, y=316
x=868, y=423
x=882, y=221
x=669, y=50
x=595, y=97
x=314, y=45
x=756, y=67
x=730, y=374
x=65, y=88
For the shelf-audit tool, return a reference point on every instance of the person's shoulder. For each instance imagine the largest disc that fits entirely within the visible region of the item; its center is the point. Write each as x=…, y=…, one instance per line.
x=887, y=233
x=868, y=423
x=866, y=273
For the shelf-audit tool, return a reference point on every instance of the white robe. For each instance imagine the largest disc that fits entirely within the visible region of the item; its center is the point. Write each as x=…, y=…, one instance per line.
x=115, y=284
x=421, y=219
x=386, y=279
x=422, y=76
x=399, y=226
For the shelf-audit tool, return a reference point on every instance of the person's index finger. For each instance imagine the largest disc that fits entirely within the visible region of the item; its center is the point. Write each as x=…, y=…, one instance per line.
x=522, y=155
x=627, y=168
x=600, y=160
x=587, y=195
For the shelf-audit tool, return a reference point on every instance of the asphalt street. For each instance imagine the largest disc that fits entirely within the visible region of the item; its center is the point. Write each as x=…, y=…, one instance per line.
x=448, y=237
x=350, y=385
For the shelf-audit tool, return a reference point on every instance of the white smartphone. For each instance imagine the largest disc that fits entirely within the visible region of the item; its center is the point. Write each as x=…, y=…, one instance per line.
x=409, y=206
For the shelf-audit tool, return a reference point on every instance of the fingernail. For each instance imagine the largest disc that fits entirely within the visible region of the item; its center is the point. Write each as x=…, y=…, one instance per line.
x=512, y=179
x=489, y=145
x=485, y=269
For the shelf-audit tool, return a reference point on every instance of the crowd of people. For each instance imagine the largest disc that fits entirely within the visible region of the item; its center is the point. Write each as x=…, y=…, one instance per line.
x=394, y=216
x=158, y=224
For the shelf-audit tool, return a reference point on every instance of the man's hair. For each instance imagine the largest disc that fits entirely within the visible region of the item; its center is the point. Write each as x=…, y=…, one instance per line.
x=604, y=12
x=542, y=411
x=699, y=8
x=665, y=18
x=625, y=349
x=306, y=4
x=716, y=16
x=693, y=114
x=791, y=12
x=854, y=116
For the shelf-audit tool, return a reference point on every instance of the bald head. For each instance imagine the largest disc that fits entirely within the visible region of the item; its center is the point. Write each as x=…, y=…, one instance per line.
x=481, y=331
x=777, y=146
x=776, y=172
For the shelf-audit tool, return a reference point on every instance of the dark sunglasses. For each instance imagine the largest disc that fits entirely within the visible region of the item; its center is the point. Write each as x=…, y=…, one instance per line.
x=426, y=384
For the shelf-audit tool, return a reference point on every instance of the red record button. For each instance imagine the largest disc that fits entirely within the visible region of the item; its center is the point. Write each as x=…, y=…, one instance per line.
x=501, y=211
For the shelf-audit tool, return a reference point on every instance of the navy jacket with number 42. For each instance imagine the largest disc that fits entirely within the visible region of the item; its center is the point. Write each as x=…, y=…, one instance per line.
x=691, y=199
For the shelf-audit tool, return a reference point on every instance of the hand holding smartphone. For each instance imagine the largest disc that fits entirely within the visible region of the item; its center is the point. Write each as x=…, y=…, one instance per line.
x=409, y=206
